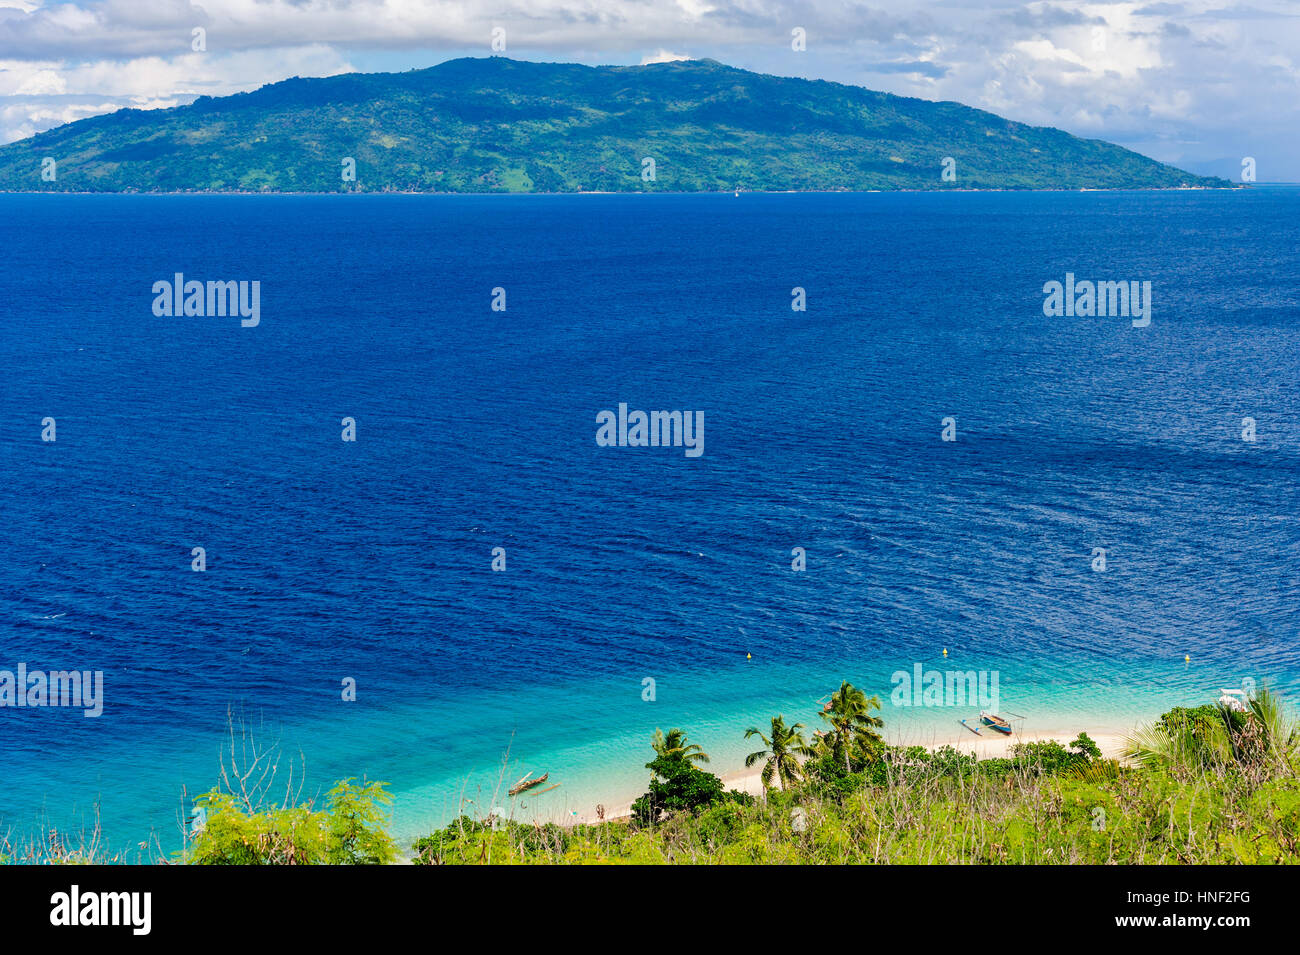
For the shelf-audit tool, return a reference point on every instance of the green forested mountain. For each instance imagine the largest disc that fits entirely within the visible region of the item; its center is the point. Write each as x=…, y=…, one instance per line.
x=500, y=125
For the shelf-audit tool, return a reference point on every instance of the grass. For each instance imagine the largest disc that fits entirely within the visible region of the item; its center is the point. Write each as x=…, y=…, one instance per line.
x=1107, y=815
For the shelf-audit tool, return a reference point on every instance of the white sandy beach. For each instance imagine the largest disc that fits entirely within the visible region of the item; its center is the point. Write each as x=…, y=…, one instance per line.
x=983, y=746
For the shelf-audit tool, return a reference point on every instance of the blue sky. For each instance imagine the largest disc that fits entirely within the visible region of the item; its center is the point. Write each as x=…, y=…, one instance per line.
x=1199, y=83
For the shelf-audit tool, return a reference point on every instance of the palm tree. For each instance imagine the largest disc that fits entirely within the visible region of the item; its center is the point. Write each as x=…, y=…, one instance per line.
x=781, y=752
x=1181, y=738
x=852, y=725
x=673, y=743
x=1265, y=732
x=1261, y=733
x=821, y=745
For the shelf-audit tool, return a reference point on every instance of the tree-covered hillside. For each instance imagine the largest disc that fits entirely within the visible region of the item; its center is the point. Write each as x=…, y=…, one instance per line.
x=501, y=125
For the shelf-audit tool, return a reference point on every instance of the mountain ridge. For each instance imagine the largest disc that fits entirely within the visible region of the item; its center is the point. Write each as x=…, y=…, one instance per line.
x=493, y=124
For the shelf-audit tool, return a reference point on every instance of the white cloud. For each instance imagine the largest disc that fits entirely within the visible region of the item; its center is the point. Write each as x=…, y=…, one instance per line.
x=43, y=83
x=35, y=96
x=663, y=56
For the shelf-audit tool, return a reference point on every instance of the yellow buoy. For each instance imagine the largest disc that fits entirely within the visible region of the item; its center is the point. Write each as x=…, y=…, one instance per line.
x=1187, y=658
x=945, y=651
x=748, y=657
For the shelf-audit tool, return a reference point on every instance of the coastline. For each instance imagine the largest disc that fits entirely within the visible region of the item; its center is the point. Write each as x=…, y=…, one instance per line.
x=1232, y=186
x=1109, y=740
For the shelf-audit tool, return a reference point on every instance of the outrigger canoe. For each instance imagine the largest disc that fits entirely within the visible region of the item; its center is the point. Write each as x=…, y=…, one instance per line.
x=992, y=721
x=526, y=783
x=996, y=723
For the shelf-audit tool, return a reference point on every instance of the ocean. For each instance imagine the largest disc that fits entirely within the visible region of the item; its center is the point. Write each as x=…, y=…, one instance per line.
x=642, y=587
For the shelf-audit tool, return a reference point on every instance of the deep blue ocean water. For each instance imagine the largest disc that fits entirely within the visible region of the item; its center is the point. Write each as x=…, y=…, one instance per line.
x=476, y=429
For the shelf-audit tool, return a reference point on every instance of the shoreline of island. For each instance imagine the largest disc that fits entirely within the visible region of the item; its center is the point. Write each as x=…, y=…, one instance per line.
x=1109, y=739
x=1231, y=187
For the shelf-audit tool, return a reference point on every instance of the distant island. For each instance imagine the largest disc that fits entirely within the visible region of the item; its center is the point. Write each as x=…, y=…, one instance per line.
x=478, y=125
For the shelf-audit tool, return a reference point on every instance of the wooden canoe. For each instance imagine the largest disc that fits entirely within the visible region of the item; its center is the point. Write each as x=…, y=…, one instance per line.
x=526, y=784
x=996, y=723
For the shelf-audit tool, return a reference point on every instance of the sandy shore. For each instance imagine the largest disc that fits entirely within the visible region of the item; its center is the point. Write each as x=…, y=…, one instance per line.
x=984, y=747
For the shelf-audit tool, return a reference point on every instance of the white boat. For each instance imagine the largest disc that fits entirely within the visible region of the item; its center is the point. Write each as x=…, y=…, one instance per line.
x=1233, y=700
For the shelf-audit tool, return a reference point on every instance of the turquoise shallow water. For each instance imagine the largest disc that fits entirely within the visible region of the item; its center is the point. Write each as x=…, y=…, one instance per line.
x=446, y=755
x=372, y=560
x=605, y=764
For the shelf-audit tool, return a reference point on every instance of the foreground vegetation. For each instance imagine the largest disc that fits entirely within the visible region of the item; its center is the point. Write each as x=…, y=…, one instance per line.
x=500, y=125
x=1202, y=785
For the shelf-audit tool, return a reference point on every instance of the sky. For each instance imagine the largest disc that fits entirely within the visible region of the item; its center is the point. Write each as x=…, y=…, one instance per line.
x=1198, y=83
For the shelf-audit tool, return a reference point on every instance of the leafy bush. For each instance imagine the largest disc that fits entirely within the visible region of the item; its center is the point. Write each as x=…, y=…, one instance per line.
x=349, y=831
x=678, y=786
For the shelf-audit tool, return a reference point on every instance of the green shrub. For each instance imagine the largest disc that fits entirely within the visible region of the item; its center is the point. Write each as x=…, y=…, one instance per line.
x=350, y=831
